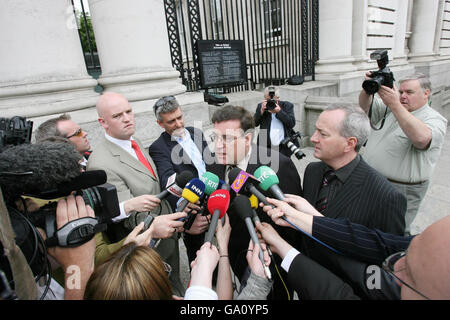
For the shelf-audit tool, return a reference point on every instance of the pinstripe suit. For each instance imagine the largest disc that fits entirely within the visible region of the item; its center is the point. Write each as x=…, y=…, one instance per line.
x=366, y=198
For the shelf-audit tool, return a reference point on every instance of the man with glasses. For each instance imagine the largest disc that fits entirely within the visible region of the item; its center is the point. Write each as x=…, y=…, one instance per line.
x=232, y=137
x=178, y=149
x=63, y=126
x=418, y=264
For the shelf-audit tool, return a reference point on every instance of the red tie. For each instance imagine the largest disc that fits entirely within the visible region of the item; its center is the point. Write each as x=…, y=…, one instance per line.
x=141, y=157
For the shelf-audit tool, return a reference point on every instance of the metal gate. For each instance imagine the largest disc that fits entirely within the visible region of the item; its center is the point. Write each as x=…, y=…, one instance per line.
x=281, y=37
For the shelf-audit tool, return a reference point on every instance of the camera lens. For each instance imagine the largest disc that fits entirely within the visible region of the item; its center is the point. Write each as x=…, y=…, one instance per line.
x=91, y=197
x=371, y=86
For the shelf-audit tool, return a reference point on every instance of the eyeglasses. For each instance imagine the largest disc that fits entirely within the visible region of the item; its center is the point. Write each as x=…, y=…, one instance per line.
x=78, y=133
x=388, y=266
x=224, y=139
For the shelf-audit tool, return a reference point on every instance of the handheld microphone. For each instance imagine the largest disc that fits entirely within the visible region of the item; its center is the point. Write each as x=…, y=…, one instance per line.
x=218, y=204
x=244, y=183
x=254, y=204
x=243, y=208
x=269, y=181
x=175, y=186
x=193, y=190
x=211, y=182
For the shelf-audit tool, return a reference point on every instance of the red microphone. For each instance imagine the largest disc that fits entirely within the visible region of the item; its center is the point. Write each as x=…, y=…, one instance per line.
x=218, y=203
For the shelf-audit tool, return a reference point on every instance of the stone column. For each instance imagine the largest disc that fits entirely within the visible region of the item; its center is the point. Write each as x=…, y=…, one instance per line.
x=133, y=49
x=335, y=38
x=423, y=30
x=41, y=61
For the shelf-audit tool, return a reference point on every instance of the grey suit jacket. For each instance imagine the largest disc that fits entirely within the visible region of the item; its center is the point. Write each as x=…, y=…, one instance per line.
x=133, y=179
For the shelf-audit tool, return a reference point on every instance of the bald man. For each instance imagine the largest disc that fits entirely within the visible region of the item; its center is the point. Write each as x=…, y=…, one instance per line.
x=134, y=174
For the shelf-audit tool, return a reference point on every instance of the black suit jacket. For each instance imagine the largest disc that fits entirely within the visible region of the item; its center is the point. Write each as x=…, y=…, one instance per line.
x=286, y=116
x=289, y=183
x=366, y=198
x=161, y=149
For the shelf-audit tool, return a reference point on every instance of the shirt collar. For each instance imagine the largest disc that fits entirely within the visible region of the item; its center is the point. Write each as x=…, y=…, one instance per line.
x=126, y=144
x=344, y=173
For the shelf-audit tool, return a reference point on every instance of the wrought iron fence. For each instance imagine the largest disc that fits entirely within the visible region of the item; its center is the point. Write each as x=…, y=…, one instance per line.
x=281, y=37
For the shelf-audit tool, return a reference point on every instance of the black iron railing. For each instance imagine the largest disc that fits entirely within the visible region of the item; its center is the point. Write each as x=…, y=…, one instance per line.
x=281, y=37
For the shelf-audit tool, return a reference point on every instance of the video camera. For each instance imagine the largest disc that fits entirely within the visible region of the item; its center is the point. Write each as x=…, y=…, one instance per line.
x=291, y=142
x=383, y=76
x=271, y=102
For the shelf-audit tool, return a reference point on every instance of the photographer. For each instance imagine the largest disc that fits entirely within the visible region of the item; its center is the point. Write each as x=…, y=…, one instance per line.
x=408, y=142
x=277, y=119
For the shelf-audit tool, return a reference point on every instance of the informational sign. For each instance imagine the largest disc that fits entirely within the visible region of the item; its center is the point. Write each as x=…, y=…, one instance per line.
x=221, y=63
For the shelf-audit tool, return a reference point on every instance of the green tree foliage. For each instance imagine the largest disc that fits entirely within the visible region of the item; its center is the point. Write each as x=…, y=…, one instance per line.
x=84, y=32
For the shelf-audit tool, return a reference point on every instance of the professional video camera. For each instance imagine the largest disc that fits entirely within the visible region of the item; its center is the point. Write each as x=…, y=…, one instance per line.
x=383, y=76
x=291, y=142
x=15, y=131
x=271, y=102
x=47, y=171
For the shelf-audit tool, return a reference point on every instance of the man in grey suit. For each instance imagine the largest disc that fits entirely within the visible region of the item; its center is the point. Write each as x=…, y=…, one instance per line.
x=135, y=177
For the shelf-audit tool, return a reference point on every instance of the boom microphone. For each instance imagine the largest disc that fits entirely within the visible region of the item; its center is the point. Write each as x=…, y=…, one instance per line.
x=193, y=190
x=176, y=187
x=43, y=166
x=218, y=204
x=243, y=208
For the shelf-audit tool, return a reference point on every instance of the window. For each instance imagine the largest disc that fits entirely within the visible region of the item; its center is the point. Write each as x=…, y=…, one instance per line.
x=272, y=18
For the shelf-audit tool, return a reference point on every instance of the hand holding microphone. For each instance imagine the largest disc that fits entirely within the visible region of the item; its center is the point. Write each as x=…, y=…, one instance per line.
x=192, y=192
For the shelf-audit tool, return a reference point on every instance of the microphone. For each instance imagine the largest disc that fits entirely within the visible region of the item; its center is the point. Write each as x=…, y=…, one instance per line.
x=243, y=183
x=269, y=181
x=243, y=208
x=175, y=186
x=254, y=204
x=193, y=190
x=217, y=205
x=211, y=182
x=45, y=167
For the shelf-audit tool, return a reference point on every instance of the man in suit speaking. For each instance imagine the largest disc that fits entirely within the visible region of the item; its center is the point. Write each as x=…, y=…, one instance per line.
x=134, y=175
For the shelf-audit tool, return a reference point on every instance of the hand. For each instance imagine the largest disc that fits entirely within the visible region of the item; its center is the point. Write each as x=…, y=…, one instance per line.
x=193, y=206
x=199, y=226
x=263, y=106
x=203, y=266
x=301, y=204
x=277, y=211
x=223, y=235
x=142, y=239
x=277, y=244
x=277, y=108
x=144, y=203
x=390, y=97
x=165, y=226
x=253, y=259
x=78, y=259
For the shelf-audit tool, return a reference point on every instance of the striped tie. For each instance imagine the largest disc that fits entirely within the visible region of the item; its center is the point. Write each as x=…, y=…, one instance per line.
x=322, y=202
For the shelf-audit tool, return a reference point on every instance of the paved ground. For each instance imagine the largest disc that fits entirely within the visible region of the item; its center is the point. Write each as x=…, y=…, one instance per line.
x=435, y=205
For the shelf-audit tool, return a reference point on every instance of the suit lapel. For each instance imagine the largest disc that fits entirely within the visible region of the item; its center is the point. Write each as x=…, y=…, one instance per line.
x=348, y=194
x=130, y=161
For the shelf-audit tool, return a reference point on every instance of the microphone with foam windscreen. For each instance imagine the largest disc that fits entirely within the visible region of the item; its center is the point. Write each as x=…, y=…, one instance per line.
x=268, y=180
x=254, y=204
x=241, y=205
x=218, y=204
x=244, y=183
x=175, y=186
x=193, y=190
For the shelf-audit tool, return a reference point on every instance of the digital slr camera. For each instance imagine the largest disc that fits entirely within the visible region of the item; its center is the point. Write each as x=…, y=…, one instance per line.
x=382, y=77
x=291, y=142
x=271, y=102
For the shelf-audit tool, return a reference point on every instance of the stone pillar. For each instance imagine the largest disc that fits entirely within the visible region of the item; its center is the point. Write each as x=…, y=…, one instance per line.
x=133, y=49
x=41, y=61
x=335, y=38
x=423, y=30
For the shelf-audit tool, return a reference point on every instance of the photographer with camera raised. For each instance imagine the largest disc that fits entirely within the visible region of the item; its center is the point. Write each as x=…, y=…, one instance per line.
x=407, y=134
x=275, y=119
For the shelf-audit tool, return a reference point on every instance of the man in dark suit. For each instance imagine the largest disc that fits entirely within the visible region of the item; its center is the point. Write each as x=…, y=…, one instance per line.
x=233, y=148
x=176, y=150
x=276, y=120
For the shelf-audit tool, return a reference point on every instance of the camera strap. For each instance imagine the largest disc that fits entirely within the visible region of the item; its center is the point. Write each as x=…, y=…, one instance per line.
x=370, y=116
x=75, y=232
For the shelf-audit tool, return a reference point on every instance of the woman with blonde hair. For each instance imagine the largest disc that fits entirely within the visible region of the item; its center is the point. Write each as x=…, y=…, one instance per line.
x=132, y=273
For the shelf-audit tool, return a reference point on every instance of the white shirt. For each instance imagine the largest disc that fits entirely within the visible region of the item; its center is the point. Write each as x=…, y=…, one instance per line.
x=276, y=130
x=290, y=256
x=191, y=149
